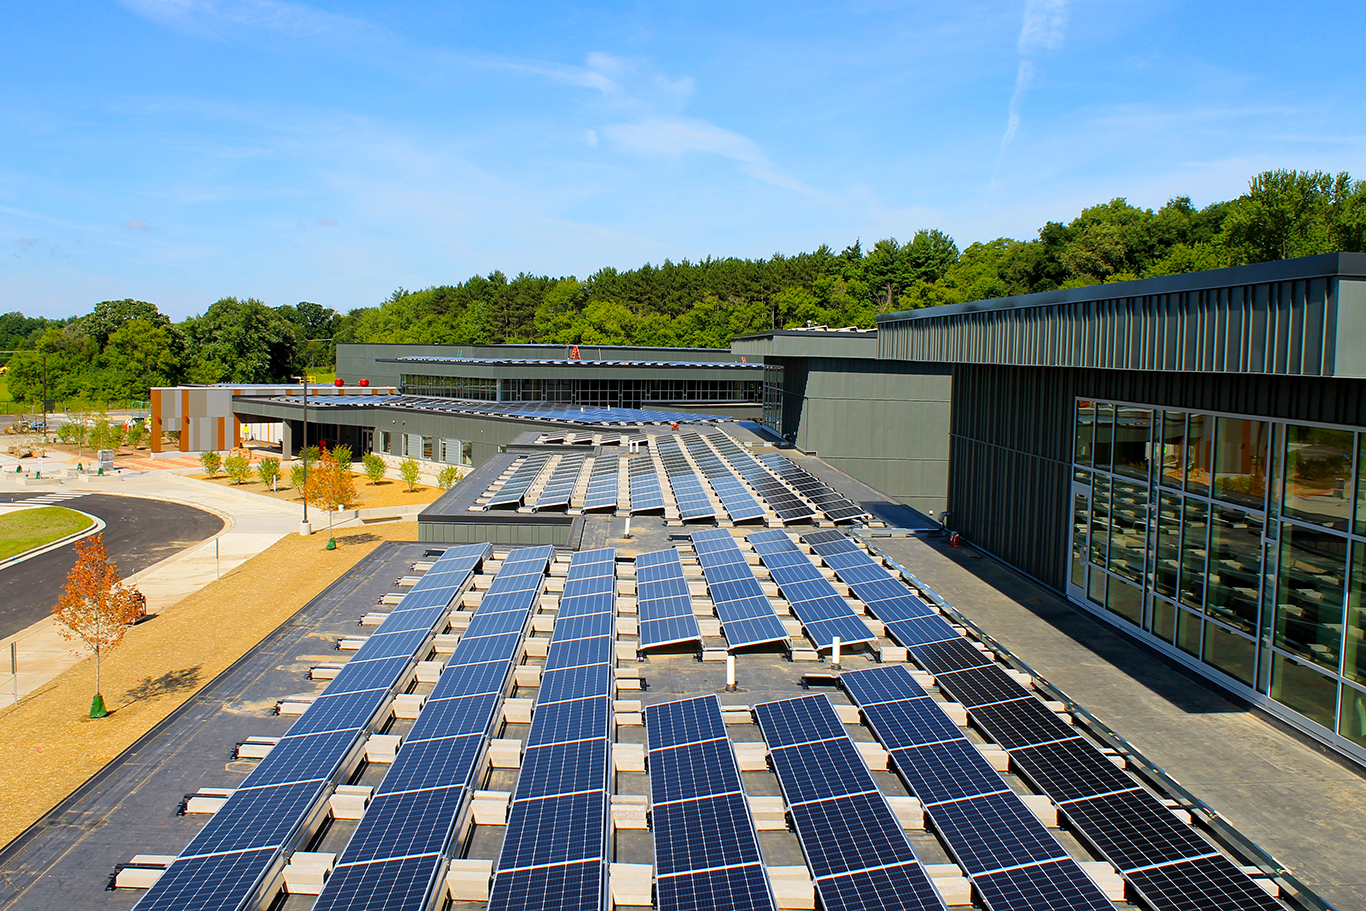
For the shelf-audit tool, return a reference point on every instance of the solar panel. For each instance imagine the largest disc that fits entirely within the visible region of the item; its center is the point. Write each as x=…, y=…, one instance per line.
x=558, y=819
x=747, y=616
x=602, y=483
x=785, y=504
x=689, y=491
x=888, y=599
x=523, y=476
x=647, y=494
x=836, y=506
x=706, y=847
x=824, y=614
x=1205, y=884
x=560, y=487
x=663, y=601
x=985, y=826
x=224, y=864
x=734, y=496
x=395, y=853
x=843, y=822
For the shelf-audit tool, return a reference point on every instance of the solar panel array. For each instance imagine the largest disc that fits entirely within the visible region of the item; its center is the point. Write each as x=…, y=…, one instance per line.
x=908, y=619
x=787, y=505
x=689, y=491
x=647, y=494
x=707, y=855
x=858, y=855
x=824, y=614
x=747, y=616
x=663, y=601
x=560, y=487
x=520, y=481
x=225, y=865
x=1014, y=862
x=555, y=850
x=836, y=506
x=602, y=483
x=395, y=857
x=735, y=497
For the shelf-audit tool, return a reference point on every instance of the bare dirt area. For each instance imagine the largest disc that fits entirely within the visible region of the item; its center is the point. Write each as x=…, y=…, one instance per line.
x=385, y=493
x=51, y=746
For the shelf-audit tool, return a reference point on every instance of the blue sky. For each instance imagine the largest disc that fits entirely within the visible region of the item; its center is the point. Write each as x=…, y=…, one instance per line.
x=178, y=151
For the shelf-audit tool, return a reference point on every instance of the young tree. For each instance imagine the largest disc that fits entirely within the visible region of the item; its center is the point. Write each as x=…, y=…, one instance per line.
x=374, y=467
x=137, y=434
x=342, y=456
x=238, y=468
x=268, y=470
x=95, y=607
x=330, y=486
x=408, y=470
x=211, y=462
x=447, y=478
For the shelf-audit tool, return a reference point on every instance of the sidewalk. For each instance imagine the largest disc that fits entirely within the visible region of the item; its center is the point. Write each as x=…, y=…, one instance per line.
x=252, y=524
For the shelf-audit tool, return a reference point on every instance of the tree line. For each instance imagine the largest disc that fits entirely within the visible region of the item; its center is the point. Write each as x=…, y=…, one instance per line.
x=123, y=347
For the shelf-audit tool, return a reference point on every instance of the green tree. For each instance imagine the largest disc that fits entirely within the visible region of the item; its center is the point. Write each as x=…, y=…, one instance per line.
x=239, y=341
x=408, y=470
x=1286, y=214
x=110, y=316
x=268, y=470
x=142, y=354
x=238, y=468
x=374, y=467
x=211, y=461
x=447, y=477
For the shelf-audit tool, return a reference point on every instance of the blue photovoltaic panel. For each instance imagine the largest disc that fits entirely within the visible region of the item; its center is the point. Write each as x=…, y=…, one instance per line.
x=647, y=493
x=747, y=616
x=602, y=483
x=836, y=506
x=690, y=493
x=983, y=823
x=269, y=808
x=843, y=822
x=824, y=614
x=706, y=849
x=557, y=824
x=784, y=503
x=395, y=854
x=663, y=602
x=514, y=489
x=562, y=480
x=735, y=497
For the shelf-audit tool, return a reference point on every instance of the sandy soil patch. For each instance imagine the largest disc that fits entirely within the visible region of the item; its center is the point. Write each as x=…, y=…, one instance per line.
x=51, y=747
x=385, y=493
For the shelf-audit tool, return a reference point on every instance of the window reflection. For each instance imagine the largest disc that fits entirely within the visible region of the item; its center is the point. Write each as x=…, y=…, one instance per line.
x=1353, y=646
x=1100, y=519
x=1080, y=520
x=1318, y=475
x=1230, y=653
x=1235, y=567
x=1133, y=441
x=1128, y=529
x=1240, y=462
x=1352, y=718
x=1304, y=690
x=1168, y=557
x=1172, y=470
x=1193, y=554
x=1199, y=446
x=1104, y=435
x=1086, y=420
x=1309, y=599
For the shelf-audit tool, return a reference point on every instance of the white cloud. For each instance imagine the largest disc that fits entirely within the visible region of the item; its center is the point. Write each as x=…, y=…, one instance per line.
x=134, y=225
x=328, y=222
x=277, y=17
x=1042, y=30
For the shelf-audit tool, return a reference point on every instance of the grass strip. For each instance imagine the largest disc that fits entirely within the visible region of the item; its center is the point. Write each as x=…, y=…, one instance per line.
x=25, y=529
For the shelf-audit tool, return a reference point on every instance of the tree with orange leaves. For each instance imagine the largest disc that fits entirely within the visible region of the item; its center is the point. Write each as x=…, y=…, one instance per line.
x=95, y=607
x=331, y=486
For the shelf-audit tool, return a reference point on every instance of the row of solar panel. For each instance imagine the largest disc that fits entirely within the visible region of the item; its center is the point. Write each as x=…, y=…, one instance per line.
x=784, y=503
x=1014, y=862
x=602, y=483
x=836, y=506
x=562, y=481
x=566, y=414
x=1166, y=862
x=514, y=489
x=747, y=616
x=825, y=615
x=663, y=602
x=557, y=826
x=707, y=854
x=647, y=492
x=689, y=492
x=854, y=845
x=396, y=854
x=224, y=865
x=735, y=497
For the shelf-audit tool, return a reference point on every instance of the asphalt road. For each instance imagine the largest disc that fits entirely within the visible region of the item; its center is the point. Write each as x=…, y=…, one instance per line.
x=140, y=532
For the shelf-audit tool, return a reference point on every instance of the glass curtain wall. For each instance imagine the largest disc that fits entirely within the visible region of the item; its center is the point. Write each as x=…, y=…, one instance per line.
x=1239, y=541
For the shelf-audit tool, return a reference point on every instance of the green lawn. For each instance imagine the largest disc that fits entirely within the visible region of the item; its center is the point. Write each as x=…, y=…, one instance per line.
x=25, y=529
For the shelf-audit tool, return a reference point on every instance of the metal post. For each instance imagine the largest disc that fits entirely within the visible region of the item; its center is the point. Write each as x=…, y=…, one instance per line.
x=628, y=527
x=304, y=527
x=835, y=653
x=217, y=568
x=14, y=668
x=730, y=673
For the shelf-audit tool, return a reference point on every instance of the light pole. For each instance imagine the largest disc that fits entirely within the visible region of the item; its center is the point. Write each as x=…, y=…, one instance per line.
x=304, y=527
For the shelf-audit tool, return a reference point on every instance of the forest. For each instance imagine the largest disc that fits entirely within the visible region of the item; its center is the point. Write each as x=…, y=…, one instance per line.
x=121, y=348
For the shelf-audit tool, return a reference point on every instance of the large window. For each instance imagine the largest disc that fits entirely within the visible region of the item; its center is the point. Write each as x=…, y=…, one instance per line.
x=1236, y=540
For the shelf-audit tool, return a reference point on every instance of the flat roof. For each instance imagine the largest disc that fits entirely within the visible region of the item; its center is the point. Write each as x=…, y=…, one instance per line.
x=537, y=411
x=559, y=362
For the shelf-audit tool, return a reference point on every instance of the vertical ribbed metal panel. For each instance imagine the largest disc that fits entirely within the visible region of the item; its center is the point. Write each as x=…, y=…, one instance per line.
x=1284, y=328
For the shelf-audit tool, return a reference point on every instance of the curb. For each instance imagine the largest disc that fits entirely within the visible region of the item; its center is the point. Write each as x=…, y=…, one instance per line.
x=98, y=526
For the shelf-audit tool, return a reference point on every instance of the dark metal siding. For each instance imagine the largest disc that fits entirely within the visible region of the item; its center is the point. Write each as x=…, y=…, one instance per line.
x=1011, y=445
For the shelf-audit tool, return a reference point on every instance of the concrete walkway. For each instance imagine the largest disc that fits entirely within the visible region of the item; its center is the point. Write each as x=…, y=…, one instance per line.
x=1303, y=805
x=252, y=524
